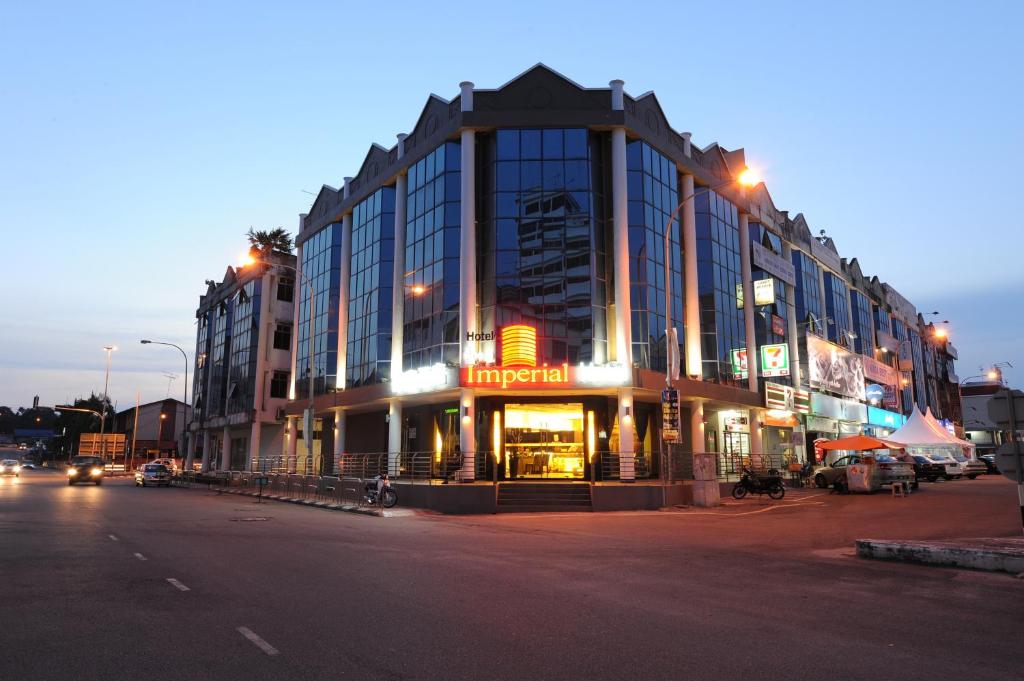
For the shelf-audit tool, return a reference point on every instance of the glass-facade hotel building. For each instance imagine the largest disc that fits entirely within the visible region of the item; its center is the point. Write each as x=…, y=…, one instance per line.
x=492, y=294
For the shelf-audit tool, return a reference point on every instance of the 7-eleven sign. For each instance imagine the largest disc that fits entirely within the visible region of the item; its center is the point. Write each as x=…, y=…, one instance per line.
x=775, y=359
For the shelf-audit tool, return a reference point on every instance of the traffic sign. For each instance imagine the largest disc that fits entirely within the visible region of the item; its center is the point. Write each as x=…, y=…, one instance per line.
x=1007, y=460
x=999, y=407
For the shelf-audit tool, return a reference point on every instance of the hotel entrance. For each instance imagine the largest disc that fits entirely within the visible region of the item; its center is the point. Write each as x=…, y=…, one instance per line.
x=543, y=441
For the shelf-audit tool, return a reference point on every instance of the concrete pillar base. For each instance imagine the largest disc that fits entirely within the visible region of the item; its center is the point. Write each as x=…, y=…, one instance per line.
x=706, y=494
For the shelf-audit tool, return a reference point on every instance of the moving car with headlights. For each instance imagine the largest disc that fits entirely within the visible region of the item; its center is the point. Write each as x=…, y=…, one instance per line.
x=152, y=474
x=10, y=467
x=85, y=469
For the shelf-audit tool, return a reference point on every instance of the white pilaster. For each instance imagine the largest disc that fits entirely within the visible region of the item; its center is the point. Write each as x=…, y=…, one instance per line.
x=691, y=300
x=398, y=280
x=748, y=302
x=824, y=304
x=339, y=435
x=620, y=232
x=467, y=433
x=298, y=291
x=394, y=435
x=627, y=446
x=343, y=301
x=225, y=449
x=467, y=248
x=756, y=443
x=687, y=146
x=697, y=439
x=791, y=323
x=466, y=95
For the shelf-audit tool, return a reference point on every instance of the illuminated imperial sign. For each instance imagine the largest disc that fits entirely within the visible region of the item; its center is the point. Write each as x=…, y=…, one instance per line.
x=519, y=368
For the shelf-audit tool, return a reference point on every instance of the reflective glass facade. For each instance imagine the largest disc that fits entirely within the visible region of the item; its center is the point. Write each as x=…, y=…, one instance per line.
x=769, y=320
x=370, y=285
x=244, y=339
x=864, y=343
x=718, y=275
x=321, y=265
x=542, y=242
x=808, y=293
x=899, y=331
x=837, y=308
x=431, y=320
x=653, y=191
x=220, y=346
x=201, y=373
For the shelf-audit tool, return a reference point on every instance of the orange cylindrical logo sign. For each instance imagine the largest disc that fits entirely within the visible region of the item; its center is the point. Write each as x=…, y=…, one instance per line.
x=519, y=346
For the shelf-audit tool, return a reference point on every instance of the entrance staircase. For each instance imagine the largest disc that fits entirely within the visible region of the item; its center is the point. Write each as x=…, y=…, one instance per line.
x=531, y=497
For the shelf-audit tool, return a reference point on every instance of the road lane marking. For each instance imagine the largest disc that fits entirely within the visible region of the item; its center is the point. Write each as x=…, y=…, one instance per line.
x=113, y=537
x=254, y=637
x=140, y=556
x=178, y=585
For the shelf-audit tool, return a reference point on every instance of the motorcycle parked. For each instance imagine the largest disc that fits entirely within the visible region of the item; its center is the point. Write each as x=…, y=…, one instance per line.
x=378, y=490
x=753, y=482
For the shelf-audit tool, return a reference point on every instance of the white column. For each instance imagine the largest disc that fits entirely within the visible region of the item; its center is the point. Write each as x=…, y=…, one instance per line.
x=298, y=291
x=467, y=433
x=620, y=232
x=691, y=300
x=254, y=444
x=756, y=444
x=205, y=467
x=824, y=304
x=705, y=483
x=398, y=279
x=225, y=449
x=293, y=444
x=467, y=249
x=627, y=446
x=748, y=302
x=394, y=435
x=343, y=279
x=697, y=439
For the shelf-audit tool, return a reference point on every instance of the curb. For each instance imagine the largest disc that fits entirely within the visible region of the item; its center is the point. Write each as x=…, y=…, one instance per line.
x=346, y=508
x=947, y=554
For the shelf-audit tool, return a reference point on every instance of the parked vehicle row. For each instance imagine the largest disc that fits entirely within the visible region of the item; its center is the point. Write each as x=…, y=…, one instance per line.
x=926, y=467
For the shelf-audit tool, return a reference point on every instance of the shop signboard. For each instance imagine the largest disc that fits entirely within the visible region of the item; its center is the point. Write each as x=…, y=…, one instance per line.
x=670, y=415
x=834, y=368
x=778, y=396
x=874, y=393
x=740, y=368
x=821, y=424
x=891, y=398
x=802, y=401
x=836, y=408
x=764, y=293
x=774, y=265
x=778, y=325
x=775, y=359
x=879, y=373
x=885, y=419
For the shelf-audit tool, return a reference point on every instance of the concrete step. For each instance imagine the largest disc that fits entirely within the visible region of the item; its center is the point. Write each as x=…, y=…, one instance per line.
x=543, y=496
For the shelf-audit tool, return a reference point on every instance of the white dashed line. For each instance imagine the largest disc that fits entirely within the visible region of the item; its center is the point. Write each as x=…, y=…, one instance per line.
x=178, y=585
x=252, y=636
x=140, y=556
x=113, y=537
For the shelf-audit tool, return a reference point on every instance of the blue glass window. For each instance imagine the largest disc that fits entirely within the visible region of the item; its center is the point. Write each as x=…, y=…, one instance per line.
x=321, y=267
x=718, y=276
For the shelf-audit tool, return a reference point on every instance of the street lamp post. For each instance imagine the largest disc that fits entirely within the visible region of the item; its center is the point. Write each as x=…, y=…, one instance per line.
x=251, y=260
x=103, y=417
x=188, y=462
x=64, y=407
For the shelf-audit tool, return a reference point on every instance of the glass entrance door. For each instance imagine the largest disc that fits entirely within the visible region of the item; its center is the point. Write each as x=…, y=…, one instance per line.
x=543, y=441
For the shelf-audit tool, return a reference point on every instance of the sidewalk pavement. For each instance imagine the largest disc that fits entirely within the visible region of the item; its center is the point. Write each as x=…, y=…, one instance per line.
x=995, y=554
x=348, y=508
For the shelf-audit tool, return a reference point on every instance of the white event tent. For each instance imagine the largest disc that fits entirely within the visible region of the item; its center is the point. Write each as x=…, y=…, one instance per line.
x=923, y=433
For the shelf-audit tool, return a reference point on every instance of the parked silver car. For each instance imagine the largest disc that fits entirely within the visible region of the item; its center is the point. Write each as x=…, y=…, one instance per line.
x=969, y=468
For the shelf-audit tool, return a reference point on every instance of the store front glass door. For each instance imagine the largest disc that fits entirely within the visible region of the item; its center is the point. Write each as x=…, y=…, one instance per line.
x=543, y=441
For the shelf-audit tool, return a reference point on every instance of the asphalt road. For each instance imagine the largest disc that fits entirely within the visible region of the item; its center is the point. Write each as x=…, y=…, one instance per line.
x=755, y=589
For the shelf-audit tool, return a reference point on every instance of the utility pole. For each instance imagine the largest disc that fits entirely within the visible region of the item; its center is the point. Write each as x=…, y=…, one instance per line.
x=103, y=409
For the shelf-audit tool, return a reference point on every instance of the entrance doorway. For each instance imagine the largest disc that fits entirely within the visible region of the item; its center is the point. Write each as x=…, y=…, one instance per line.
x=544, y=441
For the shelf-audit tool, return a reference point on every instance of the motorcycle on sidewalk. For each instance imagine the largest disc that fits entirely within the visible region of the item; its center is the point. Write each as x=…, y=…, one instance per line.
x=378, y=491
x=753, y=482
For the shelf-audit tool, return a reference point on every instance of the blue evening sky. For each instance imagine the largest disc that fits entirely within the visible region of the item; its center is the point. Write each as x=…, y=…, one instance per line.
x=138, y=143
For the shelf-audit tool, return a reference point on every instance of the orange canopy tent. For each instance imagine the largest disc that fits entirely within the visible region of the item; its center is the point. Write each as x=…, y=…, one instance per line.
x=860, y=443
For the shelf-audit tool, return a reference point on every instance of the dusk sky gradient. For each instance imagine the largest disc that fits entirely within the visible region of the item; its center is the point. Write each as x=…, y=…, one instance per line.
x=139, y=144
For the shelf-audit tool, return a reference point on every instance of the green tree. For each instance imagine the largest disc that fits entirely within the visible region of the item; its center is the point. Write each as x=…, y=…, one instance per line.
x=71, y=424
x=267, y=241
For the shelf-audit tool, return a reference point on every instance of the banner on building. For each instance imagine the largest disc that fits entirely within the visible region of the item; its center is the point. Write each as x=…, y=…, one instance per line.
x=879, y=372
x=834, y=368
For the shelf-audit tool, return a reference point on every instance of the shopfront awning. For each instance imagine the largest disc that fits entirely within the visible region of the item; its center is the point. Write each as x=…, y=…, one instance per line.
x=860, y=443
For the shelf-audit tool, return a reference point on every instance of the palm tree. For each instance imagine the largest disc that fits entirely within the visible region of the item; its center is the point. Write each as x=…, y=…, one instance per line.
x=270, y=240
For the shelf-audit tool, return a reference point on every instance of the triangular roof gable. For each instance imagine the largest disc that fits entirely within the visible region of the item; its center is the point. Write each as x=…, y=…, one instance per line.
x=762, y=207
x=801, y=229
x=855, y=270
x=435, y=110
x=714, y=160
x=541, y=87
x=326, y=197
x=375, y=161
